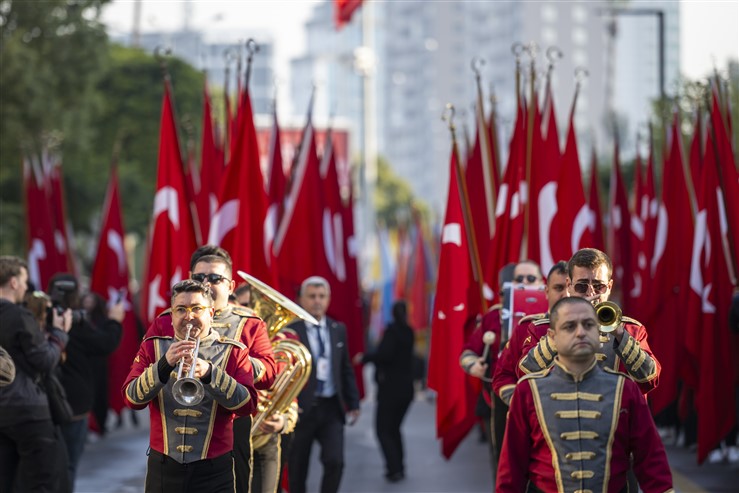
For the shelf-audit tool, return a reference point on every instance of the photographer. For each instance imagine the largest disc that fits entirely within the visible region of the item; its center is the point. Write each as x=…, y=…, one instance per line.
x=86, y=341
x=27, y=440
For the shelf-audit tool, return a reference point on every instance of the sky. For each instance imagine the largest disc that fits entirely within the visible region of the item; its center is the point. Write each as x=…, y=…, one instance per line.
x=709, y=28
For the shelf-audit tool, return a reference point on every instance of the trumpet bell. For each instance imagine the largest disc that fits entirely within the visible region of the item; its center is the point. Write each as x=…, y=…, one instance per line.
x=188, y=391
x=609, y=315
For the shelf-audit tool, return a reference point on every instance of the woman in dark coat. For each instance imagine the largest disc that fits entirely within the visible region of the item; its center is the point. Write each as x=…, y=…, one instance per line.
x=393, y=362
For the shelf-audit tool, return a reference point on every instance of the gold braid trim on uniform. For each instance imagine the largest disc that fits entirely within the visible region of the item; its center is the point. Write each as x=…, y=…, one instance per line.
x=184, y=448
x=150, y=376
x=539, y=359
x=545, y=350
x=231, y=389
x=192, y=413
x=583, y=491
x=186, y=430
x=640, y=361
x=505, y=392
x=545, y=429
x=578, y=435
x=578, y=413
x=633, y=352
x=582, y=474
x=614, y=424
x=257, y=368
x=580, y=455
x=209, y=434
x=572, y=396
x=600, y=356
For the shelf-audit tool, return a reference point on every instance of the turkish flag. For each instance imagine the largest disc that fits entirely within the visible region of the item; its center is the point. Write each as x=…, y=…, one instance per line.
x=543, y=180
x=343, y=11
x=670, y=280
x=212, y=169
x=172, y=235
x=109, y=279
x=299, y=243
x=596, y=225
x=63, y=235
x=619, y=224
x=456, y=396
x=711, y=291
x=574, y=218
x=420, y=281
x=240, y=225
x=277, y=183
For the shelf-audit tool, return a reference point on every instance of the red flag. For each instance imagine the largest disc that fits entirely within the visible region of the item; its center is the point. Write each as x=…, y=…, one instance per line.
x=456, y=396
x=572, y=231
x=343, y=11
x=298, y=243
x=277, y=184
x=44, y=259
x=172, y=235
x=240, y=225
x=711, y=291
x=109, y=279
x=596, y=225
x=420, y=280
x=63, y=236
x=670, y=286
x=211, y=169
x=619, y=225
x=542, y=201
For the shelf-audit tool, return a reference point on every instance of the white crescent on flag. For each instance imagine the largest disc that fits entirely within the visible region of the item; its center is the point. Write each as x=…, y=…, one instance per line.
x=166, y=199
x=584, y=220
x=36, y=254
x=660, y=239
x=547, y=211
x=224, y=221
x=115, y=243
x=452, y=233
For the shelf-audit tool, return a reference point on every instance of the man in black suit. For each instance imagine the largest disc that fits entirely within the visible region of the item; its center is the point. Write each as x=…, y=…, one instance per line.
x=329, y=399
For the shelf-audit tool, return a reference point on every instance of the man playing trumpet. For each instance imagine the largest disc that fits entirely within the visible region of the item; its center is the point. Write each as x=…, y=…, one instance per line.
x=624, y=349
x=191, y=446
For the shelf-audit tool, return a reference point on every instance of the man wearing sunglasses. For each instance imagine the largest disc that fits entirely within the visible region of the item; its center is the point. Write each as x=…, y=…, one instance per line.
x=212, y=265
x=625, y=349
x=191, y=446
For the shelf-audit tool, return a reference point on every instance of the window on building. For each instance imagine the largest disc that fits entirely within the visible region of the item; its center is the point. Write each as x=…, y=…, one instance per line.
x=549, y=13
x=580, y=36
x=579, y=14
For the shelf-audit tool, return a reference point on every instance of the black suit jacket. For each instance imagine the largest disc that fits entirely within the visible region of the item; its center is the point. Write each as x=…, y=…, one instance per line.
x=341, y=367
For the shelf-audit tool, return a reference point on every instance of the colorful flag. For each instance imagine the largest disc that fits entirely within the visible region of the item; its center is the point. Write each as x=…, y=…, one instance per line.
x=343, y=11
x=211, y=169
x=109, y=279
x=172, y=235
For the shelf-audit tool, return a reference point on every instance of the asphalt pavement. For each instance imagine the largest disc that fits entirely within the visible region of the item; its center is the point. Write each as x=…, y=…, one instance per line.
x=117, y=463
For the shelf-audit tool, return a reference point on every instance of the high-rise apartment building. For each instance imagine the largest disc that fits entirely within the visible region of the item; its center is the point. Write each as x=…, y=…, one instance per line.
x=423, y=52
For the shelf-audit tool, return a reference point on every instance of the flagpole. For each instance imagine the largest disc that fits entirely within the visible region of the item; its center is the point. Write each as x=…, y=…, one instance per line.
x=531, y=50
x=482, y=134
x=465, y=199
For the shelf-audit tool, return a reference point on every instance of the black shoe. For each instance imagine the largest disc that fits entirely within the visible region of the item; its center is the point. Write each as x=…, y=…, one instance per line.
x=395, y=477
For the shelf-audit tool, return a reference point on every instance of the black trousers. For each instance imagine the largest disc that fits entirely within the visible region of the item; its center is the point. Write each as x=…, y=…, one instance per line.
x=242, y=453
x=323, y=423
x=500, y=413
x=391, y=409
x=266, y=462
x=32, y=456
x=166, y=475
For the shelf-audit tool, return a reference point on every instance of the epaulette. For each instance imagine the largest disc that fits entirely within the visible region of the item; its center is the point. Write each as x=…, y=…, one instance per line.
x=245, y=311
x=227, y=340
x=496, y=306
x=632, y=321
x=533, y=316
x=157, y=337
x=541, y=321
x=537, y=374
x=616, y=372
x=168, y=311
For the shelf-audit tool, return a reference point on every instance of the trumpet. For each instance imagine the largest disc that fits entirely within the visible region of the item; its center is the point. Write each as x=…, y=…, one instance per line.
x=188, y=390
x=609, y=315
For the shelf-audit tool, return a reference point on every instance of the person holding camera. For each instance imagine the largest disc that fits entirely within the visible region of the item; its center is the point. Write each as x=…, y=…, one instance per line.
x=86, y=342
x=27, y=436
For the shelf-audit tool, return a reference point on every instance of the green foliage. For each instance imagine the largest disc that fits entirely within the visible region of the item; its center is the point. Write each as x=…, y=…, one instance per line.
x=394, y=200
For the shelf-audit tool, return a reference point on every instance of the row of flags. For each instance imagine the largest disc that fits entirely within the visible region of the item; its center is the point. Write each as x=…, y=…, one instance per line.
x=673, y=249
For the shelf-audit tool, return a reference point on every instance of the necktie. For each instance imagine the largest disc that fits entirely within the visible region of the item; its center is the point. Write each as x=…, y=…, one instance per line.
x=321, y=352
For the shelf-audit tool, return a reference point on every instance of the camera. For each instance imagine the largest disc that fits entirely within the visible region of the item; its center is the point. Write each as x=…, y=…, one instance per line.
x=58, y=294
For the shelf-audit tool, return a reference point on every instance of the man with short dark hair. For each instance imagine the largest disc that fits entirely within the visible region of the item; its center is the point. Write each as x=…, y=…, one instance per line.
x=28, y=444
x=575, y=426
x=329, y=397
x=191, y=445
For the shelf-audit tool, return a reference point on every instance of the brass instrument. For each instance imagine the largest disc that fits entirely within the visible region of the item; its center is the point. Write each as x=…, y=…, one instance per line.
x=188, y=390
x=292, y=356
x=609, y=316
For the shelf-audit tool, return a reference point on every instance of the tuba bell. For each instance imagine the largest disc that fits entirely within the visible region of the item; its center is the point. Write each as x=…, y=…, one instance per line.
x=609, y=316
x=291, y=356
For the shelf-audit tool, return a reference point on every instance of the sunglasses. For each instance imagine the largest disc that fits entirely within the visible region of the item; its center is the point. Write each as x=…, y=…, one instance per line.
x=582, y=287
x=212, y=278
x=182, y=310
x=529, y=278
